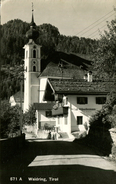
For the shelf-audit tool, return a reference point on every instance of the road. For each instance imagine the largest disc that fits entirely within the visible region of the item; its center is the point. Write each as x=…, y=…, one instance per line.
x=58, y=162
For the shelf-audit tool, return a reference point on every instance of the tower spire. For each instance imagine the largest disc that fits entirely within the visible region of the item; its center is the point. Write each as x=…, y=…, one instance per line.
x=32, y=33
x=32, y=14
x=32, y=21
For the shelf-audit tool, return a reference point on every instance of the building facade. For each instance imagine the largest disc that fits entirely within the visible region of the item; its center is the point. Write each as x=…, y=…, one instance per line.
x=65, y=93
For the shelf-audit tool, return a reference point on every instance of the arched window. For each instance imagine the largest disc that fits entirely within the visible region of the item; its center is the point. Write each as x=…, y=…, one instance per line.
x=34, y=68
x=34, y=53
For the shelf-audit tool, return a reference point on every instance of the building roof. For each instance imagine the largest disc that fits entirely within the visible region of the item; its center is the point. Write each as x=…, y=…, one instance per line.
x=63, y=65
x=44, y=106
x=32, y=33
x=69, y=71
x=81, y=87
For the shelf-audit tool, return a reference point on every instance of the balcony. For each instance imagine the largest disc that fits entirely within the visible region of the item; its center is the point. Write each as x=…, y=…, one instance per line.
x=60, y=111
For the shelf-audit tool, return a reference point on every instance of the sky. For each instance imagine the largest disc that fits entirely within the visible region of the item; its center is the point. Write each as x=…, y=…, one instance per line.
x=83, y=18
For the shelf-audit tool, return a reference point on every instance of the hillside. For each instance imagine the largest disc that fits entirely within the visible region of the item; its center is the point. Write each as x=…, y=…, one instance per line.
x=53, y=44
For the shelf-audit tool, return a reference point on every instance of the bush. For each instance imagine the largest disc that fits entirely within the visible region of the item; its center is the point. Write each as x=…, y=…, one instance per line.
x=9, y=120
x=48, y=127
x=29, y=116
x=100, y=123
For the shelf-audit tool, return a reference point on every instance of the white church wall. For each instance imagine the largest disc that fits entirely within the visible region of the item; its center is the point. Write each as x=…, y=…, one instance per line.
x=43, y=82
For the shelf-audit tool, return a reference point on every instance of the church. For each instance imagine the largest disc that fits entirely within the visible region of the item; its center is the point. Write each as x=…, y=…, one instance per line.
x=64, y=93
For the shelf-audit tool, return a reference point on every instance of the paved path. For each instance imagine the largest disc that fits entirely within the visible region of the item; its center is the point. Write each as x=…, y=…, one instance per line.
x=58, y=162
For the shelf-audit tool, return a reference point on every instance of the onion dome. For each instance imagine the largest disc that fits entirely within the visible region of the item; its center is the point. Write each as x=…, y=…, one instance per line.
x=32, y=33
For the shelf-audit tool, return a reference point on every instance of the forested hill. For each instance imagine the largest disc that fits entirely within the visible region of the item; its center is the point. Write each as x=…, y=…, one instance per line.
x=13, y=40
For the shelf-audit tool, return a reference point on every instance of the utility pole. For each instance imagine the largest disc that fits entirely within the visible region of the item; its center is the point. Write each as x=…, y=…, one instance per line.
x=21, y=108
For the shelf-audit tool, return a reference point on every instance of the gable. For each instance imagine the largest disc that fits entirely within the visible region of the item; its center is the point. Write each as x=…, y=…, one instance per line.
x=48, y=95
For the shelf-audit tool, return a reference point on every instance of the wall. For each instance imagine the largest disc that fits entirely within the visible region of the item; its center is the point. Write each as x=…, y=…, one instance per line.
x=85, y=110
x=43, y=82
x=63, y=123
x=43, y=119
x=9, y=147
x=74, y=126
x=91, y=102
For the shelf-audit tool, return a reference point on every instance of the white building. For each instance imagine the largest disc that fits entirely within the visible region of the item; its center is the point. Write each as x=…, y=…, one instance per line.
x=65, y=93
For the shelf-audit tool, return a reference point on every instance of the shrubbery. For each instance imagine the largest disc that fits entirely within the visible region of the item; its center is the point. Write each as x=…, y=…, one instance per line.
x=29, y=116
x=101, y=122
x=9, y=120
x=107, y=115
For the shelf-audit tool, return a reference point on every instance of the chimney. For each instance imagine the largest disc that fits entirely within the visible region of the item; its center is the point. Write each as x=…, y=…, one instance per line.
x=89, y=78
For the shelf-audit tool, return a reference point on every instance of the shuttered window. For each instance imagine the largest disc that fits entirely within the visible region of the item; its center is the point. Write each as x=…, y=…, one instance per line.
x=82, y=100
x=100, y=100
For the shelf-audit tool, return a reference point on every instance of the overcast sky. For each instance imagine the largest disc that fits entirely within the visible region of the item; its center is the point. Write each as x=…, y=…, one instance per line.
x=71, y=17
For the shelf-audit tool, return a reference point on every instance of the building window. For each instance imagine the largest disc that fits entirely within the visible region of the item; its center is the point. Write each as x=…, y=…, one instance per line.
x=79, y=120
x=82, y=100
x=34, y=68
x=100, y=100
x=48, y=113
x=34, y=53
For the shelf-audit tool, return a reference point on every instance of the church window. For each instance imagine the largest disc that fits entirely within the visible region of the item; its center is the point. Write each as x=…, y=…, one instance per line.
x=34, y=53
x=34, y=62
x=34, y=68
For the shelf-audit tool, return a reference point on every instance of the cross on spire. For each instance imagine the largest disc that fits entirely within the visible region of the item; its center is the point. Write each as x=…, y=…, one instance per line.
x=32, y=7
x=32, y=14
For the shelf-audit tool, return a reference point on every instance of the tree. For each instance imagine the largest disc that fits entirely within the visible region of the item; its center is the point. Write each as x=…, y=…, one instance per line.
x=9, y=120
x=105, y=116
x=105, y=54
x=29, y=116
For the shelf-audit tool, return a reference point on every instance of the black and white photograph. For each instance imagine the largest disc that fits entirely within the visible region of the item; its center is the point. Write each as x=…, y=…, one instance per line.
x=58, y=91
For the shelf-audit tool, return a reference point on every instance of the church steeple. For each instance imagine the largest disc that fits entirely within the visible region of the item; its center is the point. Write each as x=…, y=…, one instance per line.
x=32, y=66
x=32, y=33
x=32, y=21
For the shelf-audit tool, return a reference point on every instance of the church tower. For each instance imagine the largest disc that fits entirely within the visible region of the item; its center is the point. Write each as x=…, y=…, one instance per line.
x=32, y=66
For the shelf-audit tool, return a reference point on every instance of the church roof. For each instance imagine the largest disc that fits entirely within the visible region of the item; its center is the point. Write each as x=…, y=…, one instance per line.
x=81, y=87
x=63, y=65
x=32, y=33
